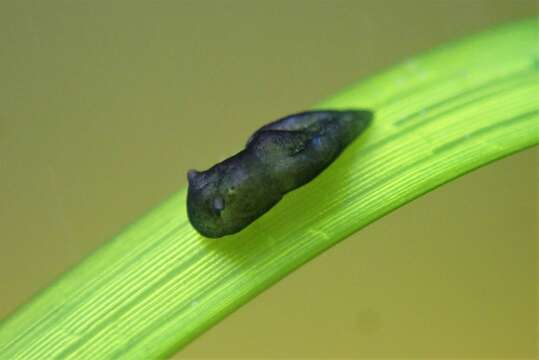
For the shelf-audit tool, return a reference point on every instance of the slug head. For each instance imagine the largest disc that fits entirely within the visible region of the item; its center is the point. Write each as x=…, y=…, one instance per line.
x=229, y=196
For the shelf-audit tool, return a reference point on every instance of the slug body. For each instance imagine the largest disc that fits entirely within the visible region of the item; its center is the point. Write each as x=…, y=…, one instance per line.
x=278, y=158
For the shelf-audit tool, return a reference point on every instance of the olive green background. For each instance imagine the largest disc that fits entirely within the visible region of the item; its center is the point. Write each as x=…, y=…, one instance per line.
x=104, y=106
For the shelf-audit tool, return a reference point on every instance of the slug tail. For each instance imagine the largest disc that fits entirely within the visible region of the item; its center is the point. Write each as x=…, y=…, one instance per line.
x=352, y=123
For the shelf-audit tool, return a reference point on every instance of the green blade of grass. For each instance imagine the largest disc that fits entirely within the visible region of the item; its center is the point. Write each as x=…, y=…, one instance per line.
x=158, y=284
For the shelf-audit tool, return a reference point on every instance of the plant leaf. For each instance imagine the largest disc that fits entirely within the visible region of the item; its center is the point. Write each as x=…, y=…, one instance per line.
x=158, y=284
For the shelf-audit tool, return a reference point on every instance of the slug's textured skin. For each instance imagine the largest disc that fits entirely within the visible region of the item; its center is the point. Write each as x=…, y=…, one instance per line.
x=278, y=158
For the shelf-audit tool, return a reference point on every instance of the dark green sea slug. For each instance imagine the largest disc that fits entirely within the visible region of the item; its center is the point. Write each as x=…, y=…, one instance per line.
x=278, y=158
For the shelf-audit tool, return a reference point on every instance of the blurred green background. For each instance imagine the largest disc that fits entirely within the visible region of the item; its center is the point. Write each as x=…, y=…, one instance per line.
x=105, y=105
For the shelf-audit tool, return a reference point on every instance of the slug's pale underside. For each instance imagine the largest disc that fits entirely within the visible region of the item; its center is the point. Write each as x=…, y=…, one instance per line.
x=278, y=158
